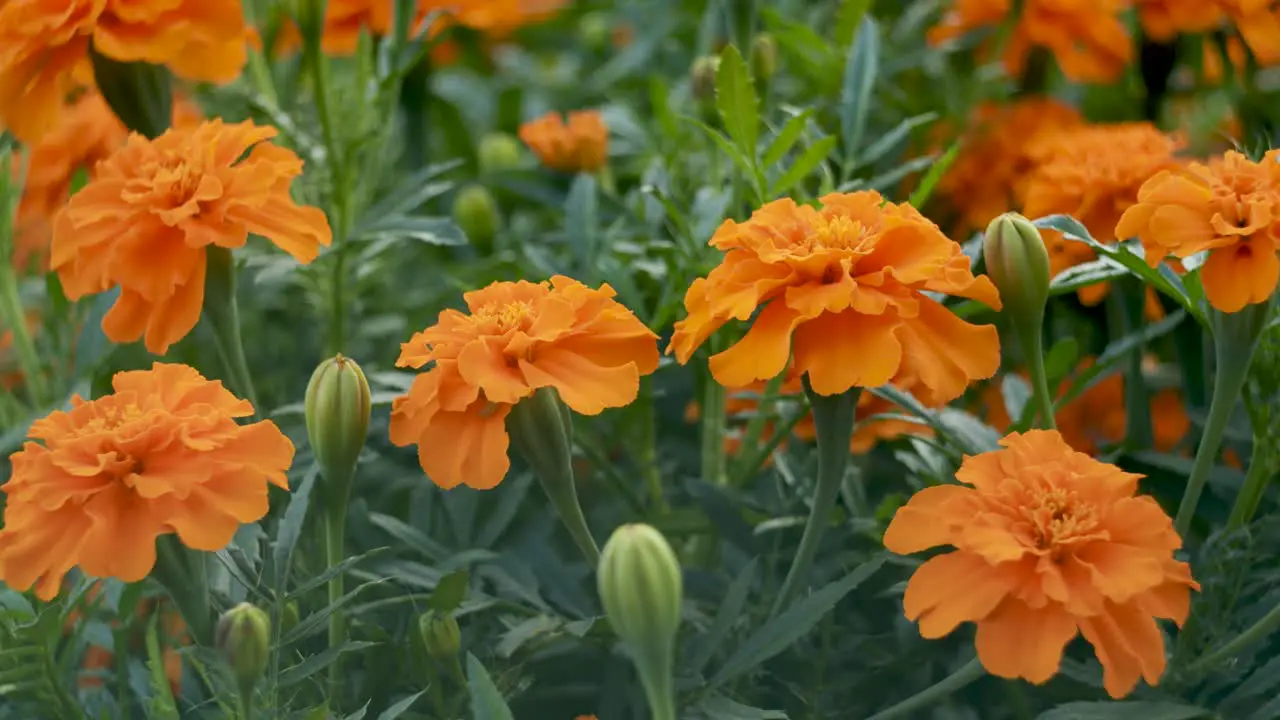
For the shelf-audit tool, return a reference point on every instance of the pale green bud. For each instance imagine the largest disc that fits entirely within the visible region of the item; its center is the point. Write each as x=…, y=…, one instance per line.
x=498, y=152
x=338, y=404
x=764, y=58
x=595, y=30
x=476, y=212
x=441, y=635
x=702, y=77
x=243, y=639
x=1018, y=264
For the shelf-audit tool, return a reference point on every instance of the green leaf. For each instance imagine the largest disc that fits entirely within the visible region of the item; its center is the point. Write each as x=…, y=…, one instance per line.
x=318, y=620
x=719, y=707
x=399, y=708
x=786, y=137
x=450, y=592
x=848, y=18
x=930, y=181
x=438, y=231
x=890, y=140
x=295, y=515
x=1125, y=711
x=782, y=631
x=315, y=663
x=735, y=599
x=1061, y=360
x=486, y=701
x=859, y=78
x=409, y=535
x=736, y=100
x=329, y=573
x=728, y=148
x=804, y=164
x=1086, y=274
x=582, y=224
x=162, y=705
x=1116, y=351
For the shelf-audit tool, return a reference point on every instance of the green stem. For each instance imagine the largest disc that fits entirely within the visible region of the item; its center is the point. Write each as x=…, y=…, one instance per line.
x=1235, y=337
x=181, y=571
x=246, y=702
x=968, y=673
x=657, y=689
x=1033, y=348
x=649, y=446
x=1127, y=300
x=713, y=418
x=335, y=523
x=11, y=312
x=833, y=418
x=1265, y=626
x=1262, y=468
x=222, y=311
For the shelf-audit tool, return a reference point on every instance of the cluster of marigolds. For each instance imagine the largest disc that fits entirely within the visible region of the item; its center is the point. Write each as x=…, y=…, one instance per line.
x=1049, y=543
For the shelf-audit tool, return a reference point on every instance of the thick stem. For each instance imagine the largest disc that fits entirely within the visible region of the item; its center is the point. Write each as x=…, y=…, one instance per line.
x=335, y=523
x=1033, y=348
x=1265, y=626
x=222, y=311
x=658, y=691
x=833, y=418
x=246, y=701
x=1262, y=468
x=968, y=673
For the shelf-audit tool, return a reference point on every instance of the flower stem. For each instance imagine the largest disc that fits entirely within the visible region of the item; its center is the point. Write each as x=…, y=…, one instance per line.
x=1235, y=337
x=971, y=671
x=713, y=417
x=12, y=315
x=1033, y=348
x=1265, y=626
x=1262, y=468
x=657, y=689
x=833, y=418
x=223, y=313
x=335, y=523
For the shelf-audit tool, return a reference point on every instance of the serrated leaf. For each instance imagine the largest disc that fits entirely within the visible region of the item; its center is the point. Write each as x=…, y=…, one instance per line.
x=450, y=592
x=295, y=515
x=330, y=572
x=781, y=632
x=1125, y=710
x=860, y=71
x=731, y=607
x=318, y=620
x=315, y=663
x=786, y=137
x=737, y=103
x=1086, y=274
x=399, y=708
x=486, y=702
x=804, y=164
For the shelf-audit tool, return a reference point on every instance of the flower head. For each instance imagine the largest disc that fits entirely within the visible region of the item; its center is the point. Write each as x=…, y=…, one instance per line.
x=1229, y=207
x=44, y=48
x=1258, y=22
x=580, y=145
x=145, y=219
x=842, y=288
x=1164, y=20
x=1086, y=36
x=515, y=338
x=95, y=486
x=1049, y=543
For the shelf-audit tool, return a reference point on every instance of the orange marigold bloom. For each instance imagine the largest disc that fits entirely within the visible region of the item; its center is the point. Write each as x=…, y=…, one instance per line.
x=144, y=221
x=161, y=454
x=514, y=339
x=1049, y=543
x=1229, y=207
x=1164, y=20
x=581, y=145
x=993, y=161
x=1086, y=36
x=44, y=48
x=1258, y=22
x=841, y=286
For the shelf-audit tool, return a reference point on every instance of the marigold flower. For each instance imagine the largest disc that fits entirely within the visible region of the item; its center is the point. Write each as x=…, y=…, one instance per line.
x=161, y=454
x=1258, y=22
x=44, y=48
x=843, y=287
x=515, y=338
x=145, y=219
x=581, y=145
x=1086, y=36
x=1049, y=543
x=1227, y=207
x=1164, y=20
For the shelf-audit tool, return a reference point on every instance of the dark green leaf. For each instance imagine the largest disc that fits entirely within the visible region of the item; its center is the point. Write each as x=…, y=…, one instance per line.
x=1124, y=711
x=318, y=620
x=1084, y=275
x=786, y=137
x=804, y=164
x=315, y=663
x=731, y=607
x=726, y=147
x=859, y=78
x=736, y=100
x=486, y=701
x=582, y=223
x=450, y=592
x=330, y=572
x=399, y=708
x=410, y=536
x=931, y=179
x=1061, y=360
x=891, y=139
x=1115, y=352
x=295, y=515
x=849, y=18
x=719, y=707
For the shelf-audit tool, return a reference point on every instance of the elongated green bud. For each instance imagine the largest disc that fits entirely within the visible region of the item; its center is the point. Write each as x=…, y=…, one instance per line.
x=243, y=639
x=702, y=77
x=1018, y=264
x=642, y=589
x=764, y=59
x=498, y=152
x=338, y=405
x=441, y=635
x=476, y=212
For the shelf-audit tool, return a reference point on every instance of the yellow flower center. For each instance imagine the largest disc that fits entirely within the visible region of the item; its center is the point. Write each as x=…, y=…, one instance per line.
x=112, y=417
x=501, y=319
x=839, y=232
x=1057, y=516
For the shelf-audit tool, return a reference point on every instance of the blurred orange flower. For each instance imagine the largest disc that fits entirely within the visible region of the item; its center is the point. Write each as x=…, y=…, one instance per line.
x=1258, y=22
x=1165, y=20
x=44, y=48
x=993, y=161
x=1087, y=37
x=843, y=287
x=99, y=661
x=1049, y=543
x=161, y=454
x=515, y=338
x=143, y=223
x=581, y=145
x=1228, y=207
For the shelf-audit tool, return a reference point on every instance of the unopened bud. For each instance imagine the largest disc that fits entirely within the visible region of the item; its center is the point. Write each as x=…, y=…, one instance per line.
x=289, y=616
x=243, y=639
x=594, y=30
x=338, y=404
x=476, y=212
x=441, y=635
x=1018, y=264
x=764, y=58
x=702, y=77
x=498, y=152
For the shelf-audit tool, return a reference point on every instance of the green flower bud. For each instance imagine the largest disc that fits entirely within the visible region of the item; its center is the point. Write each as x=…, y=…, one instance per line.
x=595, y=30
x=441, y=635
x=289, y=617
x=338, y=404
x=702, y=77
x=764, y=58
x=476, y=212
x=243, y=639
x=641, y=587
x=498, y=152
x=1018, y=264
x=139, y=93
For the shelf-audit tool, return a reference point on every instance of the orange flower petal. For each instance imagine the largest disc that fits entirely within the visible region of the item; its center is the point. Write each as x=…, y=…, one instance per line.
x=954, y=588
x=1240, y=275
x=1016, y=641
x=466, y=448
x=845, y=350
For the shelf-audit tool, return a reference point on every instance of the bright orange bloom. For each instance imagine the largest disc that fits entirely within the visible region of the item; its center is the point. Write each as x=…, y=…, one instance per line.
x=581, y=145
x=1230, y=207
x=44, y=48
x=144, y=221
x=1086, y=36
x=1049, y=543
x=97, y=662
x=514, y=339
x=843, y=288
x=1258, y=22
x=1165, y=20
x=161, y=454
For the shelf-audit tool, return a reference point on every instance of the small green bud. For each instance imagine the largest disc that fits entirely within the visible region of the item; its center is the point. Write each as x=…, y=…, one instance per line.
x=702, y=77
x=641, y=587
x=338, y=404
x=243, y=639
x=289, y=616
x=595, y=30
x=441, y=635
x=476, y=212
x=764, y=58
x=498, y=152
x=1018, y=264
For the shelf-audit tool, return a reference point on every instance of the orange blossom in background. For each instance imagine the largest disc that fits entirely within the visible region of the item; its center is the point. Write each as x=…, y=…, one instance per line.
x=95, y=486
x=579, y=145
x=144, y=221
x=515, y=338
x=1049, y=543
